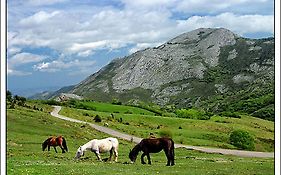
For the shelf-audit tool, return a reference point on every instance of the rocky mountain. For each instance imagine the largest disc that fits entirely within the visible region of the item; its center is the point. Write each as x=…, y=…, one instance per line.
x=51, y=94
x=190, y=70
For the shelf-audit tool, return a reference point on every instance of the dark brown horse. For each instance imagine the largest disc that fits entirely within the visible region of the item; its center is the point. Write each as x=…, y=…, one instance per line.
x=55, y=141
x=154, y=145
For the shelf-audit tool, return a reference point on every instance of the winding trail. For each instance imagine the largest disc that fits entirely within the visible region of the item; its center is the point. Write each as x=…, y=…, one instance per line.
x=137, y=139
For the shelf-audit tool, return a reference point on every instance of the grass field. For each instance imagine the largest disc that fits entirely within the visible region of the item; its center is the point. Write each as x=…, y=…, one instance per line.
x=27, y=129
x=213, y=133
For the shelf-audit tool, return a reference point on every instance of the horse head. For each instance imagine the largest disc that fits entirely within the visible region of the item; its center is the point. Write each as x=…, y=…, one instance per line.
x=45, y=144
x=133, y=154
x=79, y=153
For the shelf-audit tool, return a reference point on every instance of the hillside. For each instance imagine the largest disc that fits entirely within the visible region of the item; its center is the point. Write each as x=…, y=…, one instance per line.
x=205, y=68
x=28, y=128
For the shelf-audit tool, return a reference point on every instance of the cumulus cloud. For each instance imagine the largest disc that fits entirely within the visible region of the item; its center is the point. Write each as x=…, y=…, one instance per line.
x=79, y=33
x=23, y=58
x=59, y=65
x=240, y=24
x=113, y=29
x=141, y=46
x=20, y=59
x=218, y=6
x=38, y=18
x=12, y=72
x=87, y=47
x=13, y=50
x=44, y=2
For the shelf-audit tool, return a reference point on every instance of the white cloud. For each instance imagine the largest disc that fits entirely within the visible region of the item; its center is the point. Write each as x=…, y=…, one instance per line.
x=85, y=53
x=141, y=46
x=13, y=50
x=38, y=18
x=146, y=4
x=23, y=58
x=218, y=6
x=113, y=29
x=20, y=59
x=240, y=24
x=59, y=65
x=142, y=23
x=44, y=2
x=12, y=72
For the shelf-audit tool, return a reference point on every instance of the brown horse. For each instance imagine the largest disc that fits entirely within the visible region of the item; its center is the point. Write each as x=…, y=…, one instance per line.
x=154, y=145
x=55, y=141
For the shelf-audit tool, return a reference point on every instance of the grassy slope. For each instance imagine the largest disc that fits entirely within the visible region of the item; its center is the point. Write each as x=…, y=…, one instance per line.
x=213, y=133
x=27, y=129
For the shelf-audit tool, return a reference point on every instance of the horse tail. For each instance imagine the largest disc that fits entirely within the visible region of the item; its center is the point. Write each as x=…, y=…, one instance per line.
x=64, y=143
x=45, y=144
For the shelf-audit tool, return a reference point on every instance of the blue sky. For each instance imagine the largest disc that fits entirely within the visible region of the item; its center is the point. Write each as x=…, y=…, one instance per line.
x=55, y=43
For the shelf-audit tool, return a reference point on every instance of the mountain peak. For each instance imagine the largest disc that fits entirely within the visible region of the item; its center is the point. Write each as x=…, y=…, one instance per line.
x=190, y=67
x=203, y=33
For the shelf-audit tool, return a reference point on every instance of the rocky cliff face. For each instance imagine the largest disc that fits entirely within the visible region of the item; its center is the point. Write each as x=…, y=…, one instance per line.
x=185, y=70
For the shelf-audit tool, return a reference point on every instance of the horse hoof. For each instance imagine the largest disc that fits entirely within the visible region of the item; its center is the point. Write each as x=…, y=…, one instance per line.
x=143, y=163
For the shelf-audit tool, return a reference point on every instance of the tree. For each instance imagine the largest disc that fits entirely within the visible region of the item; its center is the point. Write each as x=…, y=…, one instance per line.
x=242, y=139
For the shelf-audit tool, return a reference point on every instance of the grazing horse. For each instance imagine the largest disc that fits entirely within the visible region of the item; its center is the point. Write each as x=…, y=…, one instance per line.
x=100, y=146
x=55, y=141
x=154, y=145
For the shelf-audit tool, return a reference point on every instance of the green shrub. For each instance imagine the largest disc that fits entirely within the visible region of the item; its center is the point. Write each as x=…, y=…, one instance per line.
x=265, y=113
x=97, y=118
x=116, y=101
x=242, y=139
x=128, y=112
x=193, y=114
x=169, y=114
x=230, y=114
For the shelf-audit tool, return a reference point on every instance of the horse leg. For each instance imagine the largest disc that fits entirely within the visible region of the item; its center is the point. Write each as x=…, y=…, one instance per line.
x=98, y=155
x=148, y=158
x=55, y=149
x=48, y=147
x=110, y=156
x=142, y=158
x=172, y=157
x=168, y=157
x=62, y=149
x=115, y=155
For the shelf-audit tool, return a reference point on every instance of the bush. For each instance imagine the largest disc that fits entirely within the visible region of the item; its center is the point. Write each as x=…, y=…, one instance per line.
x=169, y=114
x=193, y=114
x=265, y=113
x=128, y=112
x=116, y=102
x=230, y=114
x=242, y=139
x=165, y=133
x=97, y=118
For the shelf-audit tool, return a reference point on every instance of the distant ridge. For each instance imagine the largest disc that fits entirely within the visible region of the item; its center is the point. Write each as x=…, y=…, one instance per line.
x=204, y=68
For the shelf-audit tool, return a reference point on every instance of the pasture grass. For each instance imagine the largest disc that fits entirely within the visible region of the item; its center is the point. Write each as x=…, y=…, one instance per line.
x=113, y=108
x=212, y=133
x=27, y=129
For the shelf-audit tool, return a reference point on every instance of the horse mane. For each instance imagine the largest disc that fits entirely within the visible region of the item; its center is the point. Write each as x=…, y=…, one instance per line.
x=45, y=143
x=135, y=151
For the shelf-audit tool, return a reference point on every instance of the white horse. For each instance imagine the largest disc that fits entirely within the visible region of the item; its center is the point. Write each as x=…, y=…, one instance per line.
x=100, y=146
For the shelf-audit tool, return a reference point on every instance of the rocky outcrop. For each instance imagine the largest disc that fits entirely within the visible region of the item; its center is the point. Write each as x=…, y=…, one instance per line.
x=192, y=66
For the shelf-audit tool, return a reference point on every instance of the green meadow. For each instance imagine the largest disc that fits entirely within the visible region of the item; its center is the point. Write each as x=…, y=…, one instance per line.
x=28, y=128
x=212, y=133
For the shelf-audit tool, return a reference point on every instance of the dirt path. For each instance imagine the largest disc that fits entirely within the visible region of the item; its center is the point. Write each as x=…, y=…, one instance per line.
x=137, y=139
